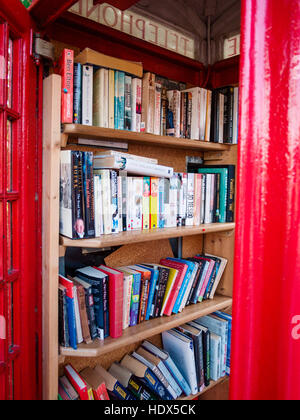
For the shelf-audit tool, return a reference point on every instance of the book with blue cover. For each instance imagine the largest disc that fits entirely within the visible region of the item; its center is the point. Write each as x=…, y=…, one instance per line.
x=121, y=100
x=68, y=284
x=170, y=364
x=152, y=289
x=227, y=318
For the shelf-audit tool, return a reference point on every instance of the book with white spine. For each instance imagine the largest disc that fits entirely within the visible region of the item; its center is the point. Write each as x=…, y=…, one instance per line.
x=87, y=95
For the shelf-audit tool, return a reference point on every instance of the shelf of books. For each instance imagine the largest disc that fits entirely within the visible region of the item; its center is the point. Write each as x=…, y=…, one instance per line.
x=148, y=329
x=145, y=236
x=136, y=186
x=72, y=133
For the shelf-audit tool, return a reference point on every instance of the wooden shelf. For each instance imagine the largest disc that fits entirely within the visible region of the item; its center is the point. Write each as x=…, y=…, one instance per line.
x=148, y=329
x=211, y=386
x=73, y=131
x=124, y=238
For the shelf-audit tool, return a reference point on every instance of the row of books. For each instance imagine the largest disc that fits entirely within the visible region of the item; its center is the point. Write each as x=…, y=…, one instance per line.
x=100, y=301
x=96, y=95
x=192, y=356
x=98, y=198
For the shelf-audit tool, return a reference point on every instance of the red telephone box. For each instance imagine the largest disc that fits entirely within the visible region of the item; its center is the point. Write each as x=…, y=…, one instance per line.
x=20, y=211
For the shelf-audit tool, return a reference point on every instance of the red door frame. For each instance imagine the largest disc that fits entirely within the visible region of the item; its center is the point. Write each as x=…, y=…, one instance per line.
x=266, y=313
x=23, y=382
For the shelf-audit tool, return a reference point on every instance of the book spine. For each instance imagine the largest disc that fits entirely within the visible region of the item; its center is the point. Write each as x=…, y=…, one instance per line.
x=197, y=200
x=154, y=203
x=162, y=285
x=87, y=95
x=111, y=99
x=106, y=303
x=124, y=203
x=77, y=112
x=67, y=213
x=128, y=300
x=128, y=104
x=138, y=105
x=89, y=194
x=152, y=291
x=173, y=201
x=157, y=113
x=190, y=200
x=105, y=99
x=134, y=104
x=67, y=73
x=116, y=101
x=114, y=201
x=77, y=197
x=138, y=185
x=135, y=300
x=146, y=203
x=121, y=101
x=174, y=98
x=161, y=202
x=89, y=301
x=208, y=116
x=164, y=111
x=106, y=202
x=120, y=204
x=143, y=299
x=83, y=315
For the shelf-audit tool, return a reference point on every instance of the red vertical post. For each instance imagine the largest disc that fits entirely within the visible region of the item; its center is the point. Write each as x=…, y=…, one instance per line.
x=266, y=339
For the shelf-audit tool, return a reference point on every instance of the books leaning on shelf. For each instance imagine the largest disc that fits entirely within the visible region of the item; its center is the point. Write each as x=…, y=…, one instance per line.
x=192, y=356
x=110, y=93
x=97, y=197
x=99, y=302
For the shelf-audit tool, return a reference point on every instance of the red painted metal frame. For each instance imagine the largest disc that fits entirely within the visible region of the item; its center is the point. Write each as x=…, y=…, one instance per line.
x=119, y=4
x=45, y=12
x=225, y=73
x=266, y=341
x=26, y=274
x=81, y=32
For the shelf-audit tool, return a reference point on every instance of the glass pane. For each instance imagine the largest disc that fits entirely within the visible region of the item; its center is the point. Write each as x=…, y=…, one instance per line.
x=10, y=74
x=9, y=237
x=9, y=156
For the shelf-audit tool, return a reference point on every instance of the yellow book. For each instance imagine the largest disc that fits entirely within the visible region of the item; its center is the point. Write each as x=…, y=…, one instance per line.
x=154, y=203
x=146, y=204
x=171, y=280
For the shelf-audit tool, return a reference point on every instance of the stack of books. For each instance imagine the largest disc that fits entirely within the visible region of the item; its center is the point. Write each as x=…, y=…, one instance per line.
x=99, y=302
x=99, y=198
x=111, y=93
x=193, y=355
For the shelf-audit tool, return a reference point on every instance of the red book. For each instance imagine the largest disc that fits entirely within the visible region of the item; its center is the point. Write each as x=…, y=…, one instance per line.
x=208, y=274
x=66, y=70
x=96, y=383
x=182, y=269
x=78, y=383
x=116, y=286
x=144, y=291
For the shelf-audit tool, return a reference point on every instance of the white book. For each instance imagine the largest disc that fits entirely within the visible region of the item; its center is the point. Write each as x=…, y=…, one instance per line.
x=195, y=128
x=215, y=356
x=203, y=108
x=190, y=199
x=100, y=98
x=181, y=349
x=98, y=206
x=157, y=111
x=173, y=201
x=137, y=200
x=87, y=95
x=128, y=278
x=235, y=115
x=105, y=101
x=111, y=99
x=133, y=166
x=119, y=154
x=77, y=317
x=221, y=117
x=120, y=204
x=106, y=200
x=207, y=218
x=129, y=203
x=208, y=116
x=65, y=210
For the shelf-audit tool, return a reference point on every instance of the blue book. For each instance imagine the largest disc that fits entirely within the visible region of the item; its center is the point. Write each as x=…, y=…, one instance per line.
x=152, y=289
x=186, y=282
x=215, y=356
x=170, y=365
x=135, y=295
x=68, y=284
x=77, y=113
x=121, y=100
x=219, y=327
x=228, y=318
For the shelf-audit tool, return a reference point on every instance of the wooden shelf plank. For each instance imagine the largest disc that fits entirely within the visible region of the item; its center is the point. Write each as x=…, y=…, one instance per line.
x=91, y=132
x=211, y=386
x=148, y=329
x=124, y=238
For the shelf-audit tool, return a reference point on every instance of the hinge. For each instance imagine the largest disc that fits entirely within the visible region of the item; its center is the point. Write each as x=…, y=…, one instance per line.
x=41, y=49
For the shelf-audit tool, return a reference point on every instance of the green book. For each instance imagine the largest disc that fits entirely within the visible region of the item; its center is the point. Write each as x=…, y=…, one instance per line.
x=223, y=188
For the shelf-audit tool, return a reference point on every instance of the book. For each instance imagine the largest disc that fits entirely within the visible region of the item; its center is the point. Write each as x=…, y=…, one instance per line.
x=64, y=339
x=114, y=387
x=77, y=101
x=128, y=280
x=114, y=201
x=89, y=303
x=144, y=290
x=194, y=123
x=228, y=318
x=190, y=199
x=101, y=289
x=128, y=103
x=120, y=155
x=152, y=362
x=116, y=284
x=169, y=363
x=70, y=301
x=174, y=98
x=88, y=194
x=101, y=98
x=152, y=288
x=206, y=350
x=148, y=102
x=69, y=392
x=136, y=104
x=219, y=274
x=89, y=56
x=106, y=199
x=66, y=70
x=215, y=356
x=181, y=349
x=86, y=336
x=133, y=166
x=111, y=99
x=142, y=371
x=87, y=95
x=103, y=144
x=96, y=383
x=157, y=109
x=81, y=387
x=208, y=276
x=134, y=384
x=137, y=201
x=175, y=286
x=154, y=209
x=121, y=100
x=146, y=203
x=135, y=295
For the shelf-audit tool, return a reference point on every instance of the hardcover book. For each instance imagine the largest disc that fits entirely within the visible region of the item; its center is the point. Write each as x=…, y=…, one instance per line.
x=114, y=387
x=66, y=70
